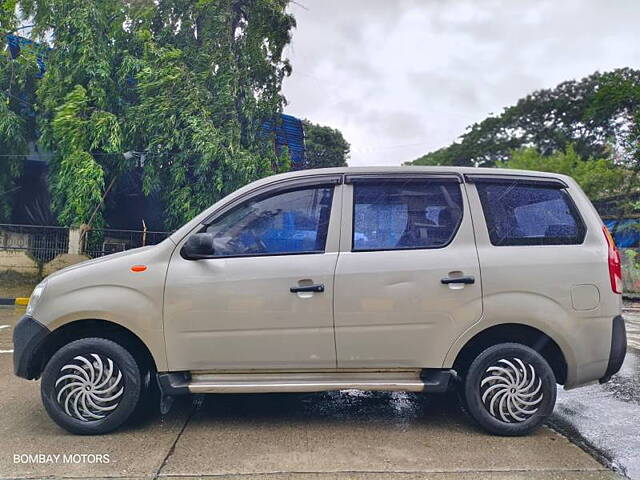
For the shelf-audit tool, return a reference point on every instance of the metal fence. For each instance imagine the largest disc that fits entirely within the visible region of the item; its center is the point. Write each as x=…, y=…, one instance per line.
x=100, y=242
x=43, y=243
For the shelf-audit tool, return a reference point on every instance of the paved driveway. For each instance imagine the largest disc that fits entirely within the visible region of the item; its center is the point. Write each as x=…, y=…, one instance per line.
x=345, y=435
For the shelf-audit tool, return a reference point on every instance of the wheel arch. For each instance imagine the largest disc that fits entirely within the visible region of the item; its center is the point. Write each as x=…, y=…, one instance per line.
x=514, y=333
x=91, y=328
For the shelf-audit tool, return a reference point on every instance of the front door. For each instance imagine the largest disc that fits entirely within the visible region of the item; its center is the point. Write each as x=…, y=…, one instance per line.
x=265, y=299
x=408, y=280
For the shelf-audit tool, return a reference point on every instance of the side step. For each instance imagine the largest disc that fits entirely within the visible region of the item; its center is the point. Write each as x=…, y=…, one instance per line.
x=426, y=380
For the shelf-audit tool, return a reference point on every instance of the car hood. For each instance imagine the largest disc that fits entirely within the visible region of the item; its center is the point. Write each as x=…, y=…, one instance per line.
x=106, y=258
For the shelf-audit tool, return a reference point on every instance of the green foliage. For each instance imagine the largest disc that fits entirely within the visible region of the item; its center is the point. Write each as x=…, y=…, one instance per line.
x=12, y=142
x=79, y=101
x=187, y=82
x=324, y=146
x=598, y=115
x=8, y=21
x=17, y=126
x=77, y=180
x=76, y=200
x=210, y=74
x=599, y=178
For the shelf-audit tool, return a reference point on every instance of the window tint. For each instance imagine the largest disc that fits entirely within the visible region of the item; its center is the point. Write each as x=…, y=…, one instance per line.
x=401, y=215
x=530, y=215
x=288, y=222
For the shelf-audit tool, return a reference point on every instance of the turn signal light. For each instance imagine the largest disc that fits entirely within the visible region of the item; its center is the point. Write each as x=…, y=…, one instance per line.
x=138, y=268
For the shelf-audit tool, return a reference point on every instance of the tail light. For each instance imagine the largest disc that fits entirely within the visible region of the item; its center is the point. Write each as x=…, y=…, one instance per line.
x=615, y=265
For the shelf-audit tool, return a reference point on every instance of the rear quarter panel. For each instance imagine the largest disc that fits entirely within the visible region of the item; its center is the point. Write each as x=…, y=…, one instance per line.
x=532, y=285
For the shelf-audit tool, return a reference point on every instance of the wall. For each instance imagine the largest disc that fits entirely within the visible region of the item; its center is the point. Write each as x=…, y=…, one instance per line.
x=10, y=239
x=18, y=261
x=17, y=267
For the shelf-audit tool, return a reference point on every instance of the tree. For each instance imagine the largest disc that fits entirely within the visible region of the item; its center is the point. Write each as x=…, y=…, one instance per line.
x=78, y=101
x=210, y=75
x=598, y=115
x=599, y=178
x=324, y=146
x=187, y=82
x=13, y=142
x=17, y=97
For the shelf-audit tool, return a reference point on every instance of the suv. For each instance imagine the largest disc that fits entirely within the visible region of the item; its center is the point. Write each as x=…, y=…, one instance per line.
x=498, y=283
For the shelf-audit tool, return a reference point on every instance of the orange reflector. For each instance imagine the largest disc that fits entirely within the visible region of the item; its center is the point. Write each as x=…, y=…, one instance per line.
x=138, y=268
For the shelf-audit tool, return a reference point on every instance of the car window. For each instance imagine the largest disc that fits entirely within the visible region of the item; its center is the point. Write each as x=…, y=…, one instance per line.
x=530, y=215
x=294, y=221
x=401, y=215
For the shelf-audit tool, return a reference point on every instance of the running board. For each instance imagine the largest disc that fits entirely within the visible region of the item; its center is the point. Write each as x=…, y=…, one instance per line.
x=427, y=380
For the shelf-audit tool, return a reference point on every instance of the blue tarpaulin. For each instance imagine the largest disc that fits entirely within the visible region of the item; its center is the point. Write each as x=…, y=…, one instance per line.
x=626, y=233
x=290, y=133
x=17, y=43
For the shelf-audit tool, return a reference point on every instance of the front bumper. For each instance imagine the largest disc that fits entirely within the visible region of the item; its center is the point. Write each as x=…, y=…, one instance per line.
x=28, y=337
x=618, y=348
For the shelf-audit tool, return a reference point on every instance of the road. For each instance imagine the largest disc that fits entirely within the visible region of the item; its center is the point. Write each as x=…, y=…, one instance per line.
x=605, y=419
x=341, y=435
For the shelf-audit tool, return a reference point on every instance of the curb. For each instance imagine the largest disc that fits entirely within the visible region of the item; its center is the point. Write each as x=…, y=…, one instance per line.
x=14, y=301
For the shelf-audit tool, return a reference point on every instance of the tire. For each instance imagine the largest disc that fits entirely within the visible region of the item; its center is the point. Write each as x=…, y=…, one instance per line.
x=91, y=386
x=510, y=389
x=460, y=398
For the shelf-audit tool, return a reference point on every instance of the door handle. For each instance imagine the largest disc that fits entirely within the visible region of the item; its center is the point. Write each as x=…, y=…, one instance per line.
x=468, y=280
x=308, y=288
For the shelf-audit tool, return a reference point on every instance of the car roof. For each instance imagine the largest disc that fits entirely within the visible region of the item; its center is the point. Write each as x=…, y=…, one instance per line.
x=415, y=169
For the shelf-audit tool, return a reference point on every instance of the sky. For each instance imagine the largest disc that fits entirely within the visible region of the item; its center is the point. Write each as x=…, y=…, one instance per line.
x=400, y=78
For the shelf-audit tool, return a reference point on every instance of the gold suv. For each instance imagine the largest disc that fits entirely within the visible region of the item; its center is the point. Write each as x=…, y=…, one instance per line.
x=498, y=283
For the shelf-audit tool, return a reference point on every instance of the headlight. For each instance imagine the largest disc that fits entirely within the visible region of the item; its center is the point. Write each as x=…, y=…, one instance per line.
x=35, y=297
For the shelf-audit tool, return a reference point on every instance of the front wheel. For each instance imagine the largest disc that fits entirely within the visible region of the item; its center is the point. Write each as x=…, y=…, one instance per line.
x=91, y=386
x=510, y=389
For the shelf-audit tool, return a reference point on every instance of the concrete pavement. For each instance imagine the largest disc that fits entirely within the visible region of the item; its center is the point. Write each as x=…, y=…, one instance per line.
x=342, y=435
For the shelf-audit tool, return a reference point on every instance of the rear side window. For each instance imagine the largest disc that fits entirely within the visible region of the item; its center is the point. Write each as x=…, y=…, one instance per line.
x=403, y=215
x=524, y=214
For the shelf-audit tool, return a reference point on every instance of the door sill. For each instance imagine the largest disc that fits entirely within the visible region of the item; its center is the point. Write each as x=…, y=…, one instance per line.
x=426, y=380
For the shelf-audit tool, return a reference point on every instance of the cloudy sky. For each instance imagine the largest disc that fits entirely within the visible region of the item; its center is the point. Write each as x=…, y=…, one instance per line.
x=400, y=78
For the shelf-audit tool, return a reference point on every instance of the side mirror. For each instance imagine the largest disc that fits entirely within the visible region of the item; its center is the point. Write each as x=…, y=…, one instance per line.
x=198, y=246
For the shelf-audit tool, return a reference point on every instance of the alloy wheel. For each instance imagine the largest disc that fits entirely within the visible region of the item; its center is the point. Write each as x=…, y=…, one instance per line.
x=89, y=387
x=510, y=390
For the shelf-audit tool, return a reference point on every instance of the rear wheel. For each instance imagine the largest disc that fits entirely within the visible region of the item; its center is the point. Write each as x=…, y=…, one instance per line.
x=509, y=389
x=91, y=386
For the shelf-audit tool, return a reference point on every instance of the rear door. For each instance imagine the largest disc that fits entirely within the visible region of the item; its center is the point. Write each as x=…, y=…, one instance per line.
x=407, y=280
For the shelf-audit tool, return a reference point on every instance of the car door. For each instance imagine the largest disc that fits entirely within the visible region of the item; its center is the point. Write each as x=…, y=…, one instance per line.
x=237, y=310
x=408, y=280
